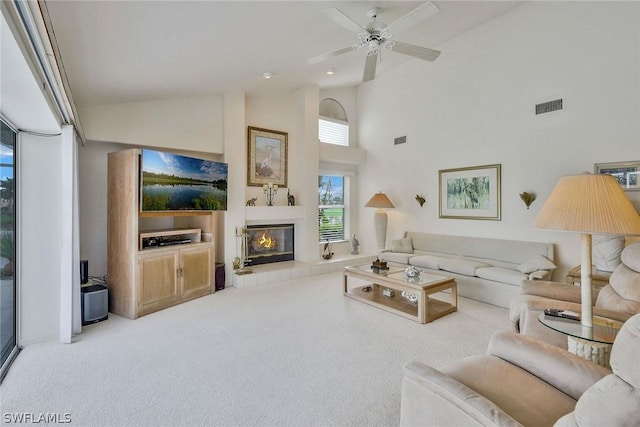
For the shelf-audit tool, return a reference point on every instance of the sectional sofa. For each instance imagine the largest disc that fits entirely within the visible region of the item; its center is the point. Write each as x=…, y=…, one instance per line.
x=487, y=270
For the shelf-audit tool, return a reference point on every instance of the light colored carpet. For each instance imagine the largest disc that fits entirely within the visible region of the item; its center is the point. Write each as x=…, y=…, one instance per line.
x=296, y=353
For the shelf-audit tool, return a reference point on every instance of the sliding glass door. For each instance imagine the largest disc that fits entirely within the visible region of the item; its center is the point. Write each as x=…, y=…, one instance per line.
x=8, y=305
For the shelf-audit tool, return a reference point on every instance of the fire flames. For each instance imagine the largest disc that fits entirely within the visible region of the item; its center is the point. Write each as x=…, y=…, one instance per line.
x=266, y=241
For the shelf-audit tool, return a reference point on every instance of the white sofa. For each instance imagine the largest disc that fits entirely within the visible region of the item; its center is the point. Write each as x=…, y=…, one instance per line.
x=487, y=270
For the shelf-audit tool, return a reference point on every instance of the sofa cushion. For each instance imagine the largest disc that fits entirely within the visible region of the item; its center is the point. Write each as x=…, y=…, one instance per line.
x=631, y=256
x=523, y=396
x=624, y=354
x=427, y=261
x=626, y=282
x=539, y=262
x=499, y=274
x=610, y=300
x=461, y=266
x=404, y=246
x=396, y=257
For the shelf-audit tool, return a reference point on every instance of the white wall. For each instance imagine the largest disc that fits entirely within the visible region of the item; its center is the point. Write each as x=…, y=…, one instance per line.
x=184, y=123
x=475, y=106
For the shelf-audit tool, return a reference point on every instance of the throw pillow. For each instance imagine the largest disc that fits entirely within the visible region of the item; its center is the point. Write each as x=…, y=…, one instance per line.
x=538, y=263
x=404, y=246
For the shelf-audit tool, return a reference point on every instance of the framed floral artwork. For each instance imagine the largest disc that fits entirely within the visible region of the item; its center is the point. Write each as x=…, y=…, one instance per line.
x=470, y=192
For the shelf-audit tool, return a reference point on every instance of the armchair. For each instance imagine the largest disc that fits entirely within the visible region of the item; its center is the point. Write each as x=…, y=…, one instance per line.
x=618, y=300
x=522, y=381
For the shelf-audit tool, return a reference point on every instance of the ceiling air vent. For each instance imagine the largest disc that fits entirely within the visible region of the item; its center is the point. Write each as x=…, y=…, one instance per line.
x=400, y=140
x=547, y=107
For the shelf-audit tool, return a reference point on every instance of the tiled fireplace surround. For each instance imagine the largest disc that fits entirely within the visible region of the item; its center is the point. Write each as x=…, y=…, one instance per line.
x=280, y=271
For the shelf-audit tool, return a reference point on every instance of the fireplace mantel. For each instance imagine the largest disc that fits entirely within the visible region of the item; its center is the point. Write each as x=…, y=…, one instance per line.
x=272, y=213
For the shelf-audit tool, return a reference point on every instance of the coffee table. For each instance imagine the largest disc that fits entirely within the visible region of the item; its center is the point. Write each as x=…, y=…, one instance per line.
x=384, y=290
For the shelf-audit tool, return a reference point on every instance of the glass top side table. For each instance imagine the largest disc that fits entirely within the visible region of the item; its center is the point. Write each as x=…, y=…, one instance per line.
x=604, y=330
x=589, y=343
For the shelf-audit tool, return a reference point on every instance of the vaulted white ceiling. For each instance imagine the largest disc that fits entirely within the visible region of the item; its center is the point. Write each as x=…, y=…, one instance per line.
x=129, y=51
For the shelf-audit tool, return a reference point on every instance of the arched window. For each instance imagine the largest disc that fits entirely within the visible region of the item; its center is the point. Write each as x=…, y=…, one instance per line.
x=333, y=127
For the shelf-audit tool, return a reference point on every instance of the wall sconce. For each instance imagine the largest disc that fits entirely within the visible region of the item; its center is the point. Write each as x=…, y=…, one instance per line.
x=528, y=198
x=420, y=199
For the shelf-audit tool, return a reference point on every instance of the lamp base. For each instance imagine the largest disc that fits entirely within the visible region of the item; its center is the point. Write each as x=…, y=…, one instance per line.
x=380, y=224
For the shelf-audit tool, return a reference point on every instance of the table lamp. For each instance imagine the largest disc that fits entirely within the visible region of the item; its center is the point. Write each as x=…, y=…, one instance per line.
x=380, y=201
x=588, y=204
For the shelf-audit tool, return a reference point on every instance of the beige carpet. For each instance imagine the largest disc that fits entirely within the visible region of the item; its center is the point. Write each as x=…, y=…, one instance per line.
x=293, y=354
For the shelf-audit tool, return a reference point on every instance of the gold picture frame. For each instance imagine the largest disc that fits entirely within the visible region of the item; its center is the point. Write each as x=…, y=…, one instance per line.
x=471, y=192
x=267, y=157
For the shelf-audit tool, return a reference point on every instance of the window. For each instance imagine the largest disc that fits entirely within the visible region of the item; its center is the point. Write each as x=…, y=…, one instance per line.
x=8, y=343
x=331, y=209
x=333, y=131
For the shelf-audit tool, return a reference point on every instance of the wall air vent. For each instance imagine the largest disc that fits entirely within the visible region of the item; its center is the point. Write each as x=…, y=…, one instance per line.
x=400, y=140
x=547, y=107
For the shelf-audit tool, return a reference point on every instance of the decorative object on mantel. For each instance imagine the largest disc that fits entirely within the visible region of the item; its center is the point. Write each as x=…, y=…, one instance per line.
x=242, y=269
x=267, y=159
x=270, y=191
x=388, y=292
x=380, y=201
x=420, y=199
x=291, y=200
x=354, y=244
x=528, y=198
x=251, y=202
x=327, y=253
x=588, y=204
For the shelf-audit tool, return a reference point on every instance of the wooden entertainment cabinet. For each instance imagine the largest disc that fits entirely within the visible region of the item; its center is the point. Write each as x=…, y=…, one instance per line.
x=147, y=278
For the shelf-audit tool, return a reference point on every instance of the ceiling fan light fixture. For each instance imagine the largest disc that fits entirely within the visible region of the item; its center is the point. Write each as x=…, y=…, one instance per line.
x=373, y=47
x=330, y=71
x=267, y=74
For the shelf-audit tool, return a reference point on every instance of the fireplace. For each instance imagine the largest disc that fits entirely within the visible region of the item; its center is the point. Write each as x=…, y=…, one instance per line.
x=269, y=243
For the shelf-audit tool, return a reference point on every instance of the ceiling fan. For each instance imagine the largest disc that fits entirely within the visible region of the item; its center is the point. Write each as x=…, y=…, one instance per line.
x=377, y=35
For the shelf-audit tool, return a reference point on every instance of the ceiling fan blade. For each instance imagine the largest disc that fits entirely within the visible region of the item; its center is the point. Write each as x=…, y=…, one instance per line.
x=419, y=52
x=370, y=67
x=413, y=17
x=346, y=22
x=328, y=55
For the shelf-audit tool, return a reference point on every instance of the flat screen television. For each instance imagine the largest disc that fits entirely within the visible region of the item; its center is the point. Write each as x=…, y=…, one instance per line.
x=171, y=182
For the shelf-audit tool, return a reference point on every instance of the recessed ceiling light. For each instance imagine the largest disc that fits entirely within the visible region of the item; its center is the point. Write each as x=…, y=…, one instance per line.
x=329, y=71
x=267, y=75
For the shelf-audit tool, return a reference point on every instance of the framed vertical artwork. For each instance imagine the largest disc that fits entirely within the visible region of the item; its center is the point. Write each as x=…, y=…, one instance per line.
x=470, y=193
x=267, y=157
x=626, y=173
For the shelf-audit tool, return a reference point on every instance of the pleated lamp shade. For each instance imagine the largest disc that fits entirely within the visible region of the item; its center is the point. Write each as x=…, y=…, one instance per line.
x=587, y=203
x=379, y=200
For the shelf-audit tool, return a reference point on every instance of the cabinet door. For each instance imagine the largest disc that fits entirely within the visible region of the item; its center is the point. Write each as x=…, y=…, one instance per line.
x=158, y=281
x=197, y=271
